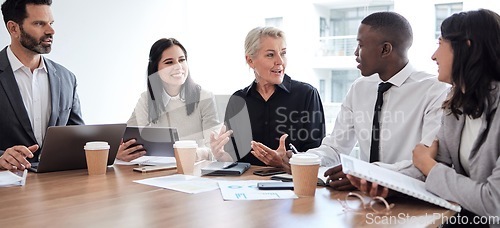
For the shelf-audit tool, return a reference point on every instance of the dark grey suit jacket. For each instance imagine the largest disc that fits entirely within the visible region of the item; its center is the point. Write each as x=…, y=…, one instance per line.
x=15, y=126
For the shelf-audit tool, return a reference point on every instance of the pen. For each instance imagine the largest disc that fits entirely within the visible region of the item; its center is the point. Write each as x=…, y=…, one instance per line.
x=230, y=165
x=294, y=150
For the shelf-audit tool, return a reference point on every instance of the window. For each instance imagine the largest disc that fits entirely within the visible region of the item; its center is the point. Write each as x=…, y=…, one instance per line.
x=339, y=37
x=323, y=27
x=341, y=82
x=274, y=22
x=443, y=11
x=322, y=84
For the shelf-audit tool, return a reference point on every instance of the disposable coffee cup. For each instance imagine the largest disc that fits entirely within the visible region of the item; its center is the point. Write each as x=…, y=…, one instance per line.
x=96, y=154
x=305, y=173
x=185, y=156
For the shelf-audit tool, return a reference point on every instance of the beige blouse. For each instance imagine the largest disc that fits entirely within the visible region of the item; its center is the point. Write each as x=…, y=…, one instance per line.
x=196, y=126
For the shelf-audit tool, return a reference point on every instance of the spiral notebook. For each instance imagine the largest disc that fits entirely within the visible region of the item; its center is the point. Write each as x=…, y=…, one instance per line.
x=393, y=180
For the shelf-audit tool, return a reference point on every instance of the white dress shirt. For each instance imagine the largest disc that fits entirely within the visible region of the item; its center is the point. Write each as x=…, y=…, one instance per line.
x=411, y=114
x=34, y=88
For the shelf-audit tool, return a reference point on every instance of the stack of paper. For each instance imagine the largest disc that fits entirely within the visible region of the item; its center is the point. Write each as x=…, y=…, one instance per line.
x=8, y=178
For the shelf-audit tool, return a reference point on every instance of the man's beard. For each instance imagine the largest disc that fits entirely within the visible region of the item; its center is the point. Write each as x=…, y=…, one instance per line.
x=32, y=44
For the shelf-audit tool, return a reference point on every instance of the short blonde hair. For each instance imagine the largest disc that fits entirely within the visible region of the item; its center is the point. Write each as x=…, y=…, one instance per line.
x=252, y=41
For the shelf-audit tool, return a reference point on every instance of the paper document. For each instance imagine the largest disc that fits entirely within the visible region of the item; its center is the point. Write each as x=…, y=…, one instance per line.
x=247, y=190
x=16, y=178
x=148, y=160
x=181, y=183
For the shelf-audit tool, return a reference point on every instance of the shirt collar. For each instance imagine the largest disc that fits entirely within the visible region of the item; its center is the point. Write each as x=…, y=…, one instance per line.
x=399, y=78
x=166, y=98
x=16, y=64
x=14, y=61
x=285, y=85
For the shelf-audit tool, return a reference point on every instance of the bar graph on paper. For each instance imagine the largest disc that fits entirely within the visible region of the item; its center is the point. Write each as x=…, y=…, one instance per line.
x=247, y=190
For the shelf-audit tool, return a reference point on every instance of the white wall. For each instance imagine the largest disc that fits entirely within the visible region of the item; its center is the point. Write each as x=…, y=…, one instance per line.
x=106, y=45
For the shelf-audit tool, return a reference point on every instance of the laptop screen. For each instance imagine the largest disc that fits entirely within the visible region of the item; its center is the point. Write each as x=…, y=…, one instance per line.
x=63, y=145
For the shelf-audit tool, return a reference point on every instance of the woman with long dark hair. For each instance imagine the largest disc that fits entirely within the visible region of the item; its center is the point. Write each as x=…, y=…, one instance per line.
x=173, y=99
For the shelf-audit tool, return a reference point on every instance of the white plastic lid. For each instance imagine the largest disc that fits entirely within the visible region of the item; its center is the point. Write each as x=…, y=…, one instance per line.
x=186, y=144
x=305, y=159
x=96, y=145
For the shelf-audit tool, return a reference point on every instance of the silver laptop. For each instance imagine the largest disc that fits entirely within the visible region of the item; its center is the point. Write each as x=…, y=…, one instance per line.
x=157, y=141
x=63, y=146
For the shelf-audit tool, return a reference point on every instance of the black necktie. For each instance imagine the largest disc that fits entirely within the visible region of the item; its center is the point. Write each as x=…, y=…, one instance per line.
x=374, y=149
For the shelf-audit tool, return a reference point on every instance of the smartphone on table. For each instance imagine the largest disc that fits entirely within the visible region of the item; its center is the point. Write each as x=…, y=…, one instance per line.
x=269, y=171
x=275, y=185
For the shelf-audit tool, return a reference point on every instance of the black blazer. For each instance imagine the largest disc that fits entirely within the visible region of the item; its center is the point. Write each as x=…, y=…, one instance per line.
x=15, y=126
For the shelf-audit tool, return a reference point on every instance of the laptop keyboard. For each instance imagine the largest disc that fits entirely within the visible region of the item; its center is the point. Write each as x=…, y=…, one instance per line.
x=34, y=165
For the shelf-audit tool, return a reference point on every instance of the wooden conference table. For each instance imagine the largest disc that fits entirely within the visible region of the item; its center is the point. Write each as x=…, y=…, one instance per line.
x=75, y=199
